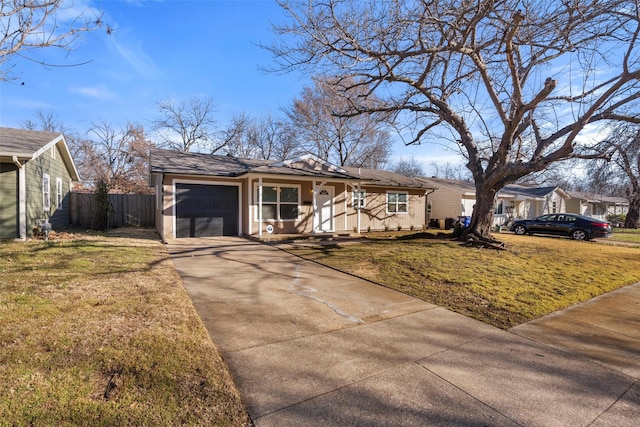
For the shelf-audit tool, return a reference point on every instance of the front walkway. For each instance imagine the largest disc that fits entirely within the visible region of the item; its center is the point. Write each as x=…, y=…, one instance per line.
x=309, y=345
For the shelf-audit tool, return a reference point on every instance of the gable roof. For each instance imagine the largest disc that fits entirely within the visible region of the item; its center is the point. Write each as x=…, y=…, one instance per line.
x=536, y=192
x=25, y=145
x=466, y=188
x=597, y=198
x=387, y=178
x=173, y=162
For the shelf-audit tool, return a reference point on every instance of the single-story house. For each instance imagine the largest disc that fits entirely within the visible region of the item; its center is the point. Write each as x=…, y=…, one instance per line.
x=523, y=202
x=210, y=195
x=36, y=174
x=454, y=198
x=596, y=205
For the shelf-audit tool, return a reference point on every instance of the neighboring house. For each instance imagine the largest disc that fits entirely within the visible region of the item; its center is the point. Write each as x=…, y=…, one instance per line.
x=523, y=202
x=36, y=172
x=596, y=205
x=455, y=198
x=209, y=195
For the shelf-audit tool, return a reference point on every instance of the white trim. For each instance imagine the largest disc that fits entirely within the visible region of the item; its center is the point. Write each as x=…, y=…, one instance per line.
x=46, y=195
x=346, y=207
x=259, y=188
x=59, y=193
x=175, y=181
x=330, y=166
x=316, y=210
x=259, y=207
x=386, y=202
x=22, y=199
x=249, y=212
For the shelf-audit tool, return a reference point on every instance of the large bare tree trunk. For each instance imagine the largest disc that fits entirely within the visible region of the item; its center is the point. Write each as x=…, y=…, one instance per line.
x=633, y=216
x=479, y=231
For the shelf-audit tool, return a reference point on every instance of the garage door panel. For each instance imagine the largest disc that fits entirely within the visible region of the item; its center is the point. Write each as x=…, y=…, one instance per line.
x=206, y=210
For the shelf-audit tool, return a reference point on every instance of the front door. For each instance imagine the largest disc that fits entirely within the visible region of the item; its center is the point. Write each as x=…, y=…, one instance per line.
x=324, y=209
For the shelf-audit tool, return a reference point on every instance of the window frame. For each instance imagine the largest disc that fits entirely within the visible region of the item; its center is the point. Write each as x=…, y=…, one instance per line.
x=278, y=203
x=363, y=199
x=397, y=203
x=59, y=191
x=46, y=192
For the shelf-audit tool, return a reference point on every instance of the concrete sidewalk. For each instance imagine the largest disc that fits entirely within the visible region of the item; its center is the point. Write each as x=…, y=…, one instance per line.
x=311, y=346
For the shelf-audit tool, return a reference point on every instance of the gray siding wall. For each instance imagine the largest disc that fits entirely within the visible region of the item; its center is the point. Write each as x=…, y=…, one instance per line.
x=8, y=201
x=46, y=163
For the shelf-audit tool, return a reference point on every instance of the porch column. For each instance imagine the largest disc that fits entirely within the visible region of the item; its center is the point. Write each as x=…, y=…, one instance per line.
x=346, y=206
x=22, y=199
x=260, y=207
x=249, y=216
x=359, y=205
x=315, y=207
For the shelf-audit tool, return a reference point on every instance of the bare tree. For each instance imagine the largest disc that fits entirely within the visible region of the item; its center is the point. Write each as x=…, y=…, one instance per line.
x=120, y=157
x=29, y=25
x=267, y=138
x=514, y=84
x=325, y=130
x=410, y=168
x=620, y=173
x=188, y=125
x=277, y=139
x=450, y=171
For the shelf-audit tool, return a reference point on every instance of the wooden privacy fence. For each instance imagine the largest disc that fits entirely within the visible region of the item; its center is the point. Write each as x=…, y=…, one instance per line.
x=125, y=210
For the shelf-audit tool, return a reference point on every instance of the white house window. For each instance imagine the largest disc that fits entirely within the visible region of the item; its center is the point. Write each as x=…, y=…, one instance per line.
x=499, y=208
x=554, y=207
x=59, y=192
x=46, y=193
x=359, y=196
x=429, y=208
x=398, y=202
x=280, y=203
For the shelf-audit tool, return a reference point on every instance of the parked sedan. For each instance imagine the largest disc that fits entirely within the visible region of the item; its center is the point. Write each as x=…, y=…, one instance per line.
x=578, y=227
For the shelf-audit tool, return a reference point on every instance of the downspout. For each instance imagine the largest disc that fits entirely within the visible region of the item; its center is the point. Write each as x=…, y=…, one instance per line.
x=260, y=208
x=427, y=218
x=313, y=217
x=249, y=201
x=358, y=192
x=22, y=199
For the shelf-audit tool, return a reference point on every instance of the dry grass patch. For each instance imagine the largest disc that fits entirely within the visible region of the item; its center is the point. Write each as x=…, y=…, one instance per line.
x=100, y=331
x=536, y=276
x=628, y=235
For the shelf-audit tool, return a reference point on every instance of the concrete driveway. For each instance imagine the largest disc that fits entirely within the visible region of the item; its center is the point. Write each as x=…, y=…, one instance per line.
x=308, y=345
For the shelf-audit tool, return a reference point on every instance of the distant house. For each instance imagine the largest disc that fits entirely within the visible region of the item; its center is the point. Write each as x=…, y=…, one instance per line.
x=454, y=198
x=523, y=202
x=596, y=205
x=36, y=174
x=199, y=195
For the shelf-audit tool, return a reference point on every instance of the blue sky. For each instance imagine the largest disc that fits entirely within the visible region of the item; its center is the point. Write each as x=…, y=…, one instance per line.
x=163, y=50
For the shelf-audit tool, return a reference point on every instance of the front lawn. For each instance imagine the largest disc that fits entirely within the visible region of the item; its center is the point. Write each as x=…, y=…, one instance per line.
x=534, y=277
x=628, y=235
x=99, y=331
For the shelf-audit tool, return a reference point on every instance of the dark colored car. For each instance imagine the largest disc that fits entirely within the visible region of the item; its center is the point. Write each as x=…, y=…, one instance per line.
x=578, y=227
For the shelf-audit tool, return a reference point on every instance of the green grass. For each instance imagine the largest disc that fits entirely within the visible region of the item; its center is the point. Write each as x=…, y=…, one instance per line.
x=534, y=277
x=101, y=332
x=628, y=235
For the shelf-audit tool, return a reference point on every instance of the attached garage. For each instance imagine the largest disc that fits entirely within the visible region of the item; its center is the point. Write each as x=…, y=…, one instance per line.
x=206, y=210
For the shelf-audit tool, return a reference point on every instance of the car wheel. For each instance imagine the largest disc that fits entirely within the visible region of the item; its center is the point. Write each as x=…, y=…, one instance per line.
x=579, y=235
x=520, y=230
